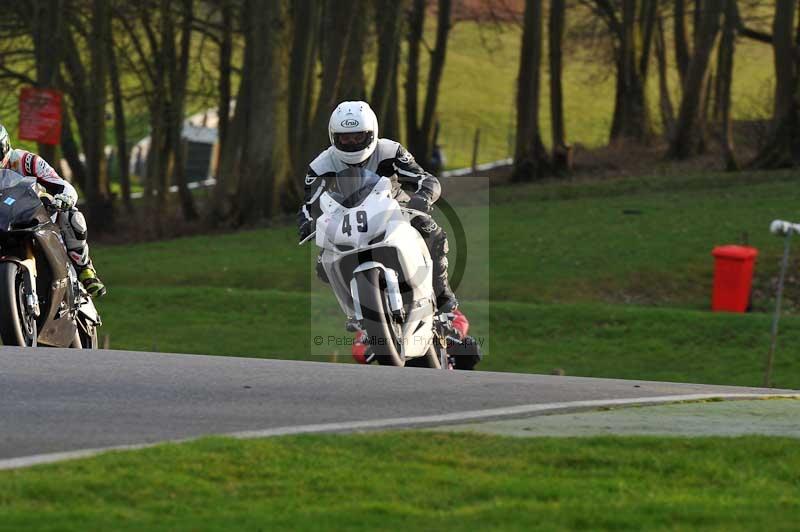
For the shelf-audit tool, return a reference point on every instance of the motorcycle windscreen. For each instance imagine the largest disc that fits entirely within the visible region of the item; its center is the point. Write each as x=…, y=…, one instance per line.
x=351, y=187
x=20, y=205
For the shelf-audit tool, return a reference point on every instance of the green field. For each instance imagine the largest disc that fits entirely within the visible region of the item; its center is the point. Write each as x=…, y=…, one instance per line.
x=573, y=284
x=416, y=481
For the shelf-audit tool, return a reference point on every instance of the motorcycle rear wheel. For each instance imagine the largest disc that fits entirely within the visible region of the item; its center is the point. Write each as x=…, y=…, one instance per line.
x=76, y=342
x=376, y=316
x=17, y=326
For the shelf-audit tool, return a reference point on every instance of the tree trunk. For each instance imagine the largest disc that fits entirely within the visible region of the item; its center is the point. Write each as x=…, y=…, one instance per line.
x=682, y=53
x=664, y=99
x=307, y=16
x=687, y=139
x=337, y=23
x=388, y=26
x=93, y=130
x=427, y=131
x=722, y=99
x=123, y=157
x=561, y=152
x=631, y=113
x=178, y=76
x=217, y=200
x=783, y=148
x=262, y=111
x=71, y=152
x=420, y=130
x=224, y=82
x=48, y=25
x=353, y=86
x=391, y=125
x=416, y=25
x=530, y=158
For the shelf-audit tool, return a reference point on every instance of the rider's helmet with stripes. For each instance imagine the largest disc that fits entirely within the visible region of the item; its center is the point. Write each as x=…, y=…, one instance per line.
x=353, y=131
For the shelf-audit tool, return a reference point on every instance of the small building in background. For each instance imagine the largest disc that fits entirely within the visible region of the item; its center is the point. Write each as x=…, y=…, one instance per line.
x=200, y=140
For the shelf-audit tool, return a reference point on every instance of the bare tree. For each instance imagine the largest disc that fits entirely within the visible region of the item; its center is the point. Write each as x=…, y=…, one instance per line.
x=783, y=148
x=84, y=80
x=256, y=161
x=664, y=98
x=631, y=25
x=339, y=33
x=723, y=85
x=530, y=158
x=389, y=26
x=682, y=52
x=120, y=129
x=689, y=135
x=561, y=152
x=161, y=66
x=306, y=20
x=420, y=131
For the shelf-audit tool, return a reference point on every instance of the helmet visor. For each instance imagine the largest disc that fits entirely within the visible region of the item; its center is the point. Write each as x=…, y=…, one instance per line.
x=353, y=141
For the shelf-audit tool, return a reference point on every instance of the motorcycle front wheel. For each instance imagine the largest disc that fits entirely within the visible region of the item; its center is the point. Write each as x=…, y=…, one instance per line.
x=377, y=319
x=17, y=325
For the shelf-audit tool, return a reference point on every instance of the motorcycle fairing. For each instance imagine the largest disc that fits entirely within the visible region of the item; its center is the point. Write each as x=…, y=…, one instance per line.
x=388, y=243
x=29, y=237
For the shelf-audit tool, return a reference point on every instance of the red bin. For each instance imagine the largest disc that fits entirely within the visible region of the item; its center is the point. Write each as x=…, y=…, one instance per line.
x=733, y=277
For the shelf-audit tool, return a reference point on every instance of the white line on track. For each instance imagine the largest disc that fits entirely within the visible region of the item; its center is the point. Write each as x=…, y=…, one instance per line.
x=403, y=422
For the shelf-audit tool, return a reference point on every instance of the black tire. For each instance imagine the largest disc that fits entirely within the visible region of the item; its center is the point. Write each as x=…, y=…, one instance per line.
x=17, y=327
x=381, y=335
x=429, y=360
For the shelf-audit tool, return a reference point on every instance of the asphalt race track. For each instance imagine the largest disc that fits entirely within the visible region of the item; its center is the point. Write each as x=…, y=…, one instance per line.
x=58, y=400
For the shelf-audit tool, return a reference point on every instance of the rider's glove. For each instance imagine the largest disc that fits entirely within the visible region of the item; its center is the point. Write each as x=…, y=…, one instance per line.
x=63, y=202
x=419, y=203
x=306, y=229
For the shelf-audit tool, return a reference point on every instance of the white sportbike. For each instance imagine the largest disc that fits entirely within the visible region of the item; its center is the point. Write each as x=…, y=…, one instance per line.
x=380, y=270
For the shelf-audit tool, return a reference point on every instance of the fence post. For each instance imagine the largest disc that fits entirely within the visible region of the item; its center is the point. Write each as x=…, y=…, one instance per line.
x=475, y=146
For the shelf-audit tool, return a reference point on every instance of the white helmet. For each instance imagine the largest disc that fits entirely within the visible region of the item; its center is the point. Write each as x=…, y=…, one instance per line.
x=353, y=130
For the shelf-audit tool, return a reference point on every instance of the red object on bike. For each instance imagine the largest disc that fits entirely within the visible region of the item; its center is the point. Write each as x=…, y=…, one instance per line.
x=733, y=277
x=460, y=323
x=359, y=348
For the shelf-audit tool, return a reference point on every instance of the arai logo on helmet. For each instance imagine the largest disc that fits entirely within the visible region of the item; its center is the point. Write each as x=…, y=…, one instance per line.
x=350, y=122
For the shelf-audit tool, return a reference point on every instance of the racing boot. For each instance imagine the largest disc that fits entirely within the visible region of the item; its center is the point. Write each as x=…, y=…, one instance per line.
x=91, y=282
x=464, y=350
x=361, y=350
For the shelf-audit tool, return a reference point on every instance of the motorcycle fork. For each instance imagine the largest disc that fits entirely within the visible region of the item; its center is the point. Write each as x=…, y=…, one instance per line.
x=31, y=297
x=441, y=340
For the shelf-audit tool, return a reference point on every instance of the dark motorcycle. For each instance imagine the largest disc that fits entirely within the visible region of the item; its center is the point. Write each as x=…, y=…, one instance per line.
x=42, y=302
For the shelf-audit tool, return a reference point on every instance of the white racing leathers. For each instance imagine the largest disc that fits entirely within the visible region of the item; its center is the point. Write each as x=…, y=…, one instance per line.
x=409, y=179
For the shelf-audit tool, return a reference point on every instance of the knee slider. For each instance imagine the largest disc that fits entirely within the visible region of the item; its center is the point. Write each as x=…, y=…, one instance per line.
x=78, y=224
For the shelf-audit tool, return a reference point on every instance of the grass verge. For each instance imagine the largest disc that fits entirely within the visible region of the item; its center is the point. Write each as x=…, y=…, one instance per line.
x=416, y=480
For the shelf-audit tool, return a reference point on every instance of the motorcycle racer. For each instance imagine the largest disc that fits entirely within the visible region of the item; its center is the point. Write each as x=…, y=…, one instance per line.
x=70, y=220
x=353, y=133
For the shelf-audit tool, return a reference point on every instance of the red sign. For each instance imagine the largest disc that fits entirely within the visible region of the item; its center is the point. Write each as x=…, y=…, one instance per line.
x=40, y=115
